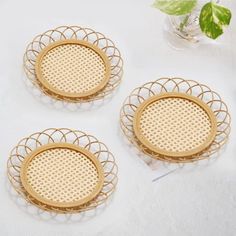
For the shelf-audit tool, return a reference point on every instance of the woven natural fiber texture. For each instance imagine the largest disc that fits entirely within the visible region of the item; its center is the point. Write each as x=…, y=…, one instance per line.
x=175, y=124
x=62, y=175
x=175, y=120
x=73, y=68
x=73, y=64
x=62, y=170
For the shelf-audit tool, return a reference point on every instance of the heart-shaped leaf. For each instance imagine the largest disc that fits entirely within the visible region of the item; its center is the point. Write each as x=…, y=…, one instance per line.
x=213, y=18
x=175, y=7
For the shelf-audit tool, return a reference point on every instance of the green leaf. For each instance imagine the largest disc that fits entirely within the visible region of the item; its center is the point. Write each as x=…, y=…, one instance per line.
x=213, y=18
x=175, y=7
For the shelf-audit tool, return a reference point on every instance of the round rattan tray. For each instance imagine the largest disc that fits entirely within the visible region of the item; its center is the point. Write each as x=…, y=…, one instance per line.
x=73, y=64
x=175, y=120
x=62, y=170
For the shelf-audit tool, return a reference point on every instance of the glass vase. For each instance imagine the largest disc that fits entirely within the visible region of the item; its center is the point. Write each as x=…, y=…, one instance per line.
x=184, y=31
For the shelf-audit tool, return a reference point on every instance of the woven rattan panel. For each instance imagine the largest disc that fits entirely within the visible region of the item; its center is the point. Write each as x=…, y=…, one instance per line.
x=62, y=175
x=73, y=68
x=175, y=125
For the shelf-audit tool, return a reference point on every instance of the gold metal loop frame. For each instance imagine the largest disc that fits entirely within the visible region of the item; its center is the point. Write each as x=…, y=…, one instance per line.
x=176, y=85
x=95, y=40
x=53, y=136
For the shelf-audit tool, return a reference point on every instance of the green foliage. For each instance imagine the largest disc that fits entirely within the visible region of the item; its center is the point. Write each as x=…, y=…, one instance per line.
x=213, y=18
x=175, y=7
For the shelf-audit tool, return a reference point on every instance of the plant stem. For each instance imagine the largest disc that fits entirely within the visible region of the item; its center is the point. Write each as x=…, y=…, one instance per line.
x=184, y=22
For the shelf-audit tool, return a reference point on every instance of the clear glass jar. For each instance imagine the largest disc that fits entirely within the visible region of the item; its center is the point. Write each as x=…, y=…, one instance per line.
x=187, y=27
x=184, y=31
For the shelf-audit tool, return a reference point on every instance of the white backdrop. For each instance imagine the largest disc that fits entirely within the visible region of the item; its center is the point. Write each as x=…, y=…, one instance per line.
x=200, y=201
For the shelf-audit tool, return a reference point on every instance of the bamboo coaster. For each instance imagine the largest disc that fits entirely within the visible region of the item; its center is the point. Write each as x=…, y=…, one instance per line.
x=175, y=120
x=62, y=176
x=175, y=124
x=74, y=64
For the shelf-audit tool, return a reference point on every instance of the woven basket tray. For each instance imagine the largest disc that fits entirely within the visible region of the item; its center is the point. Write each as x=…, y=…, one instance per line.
x=175, y=120
x=73, y=173
x=73, y=64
